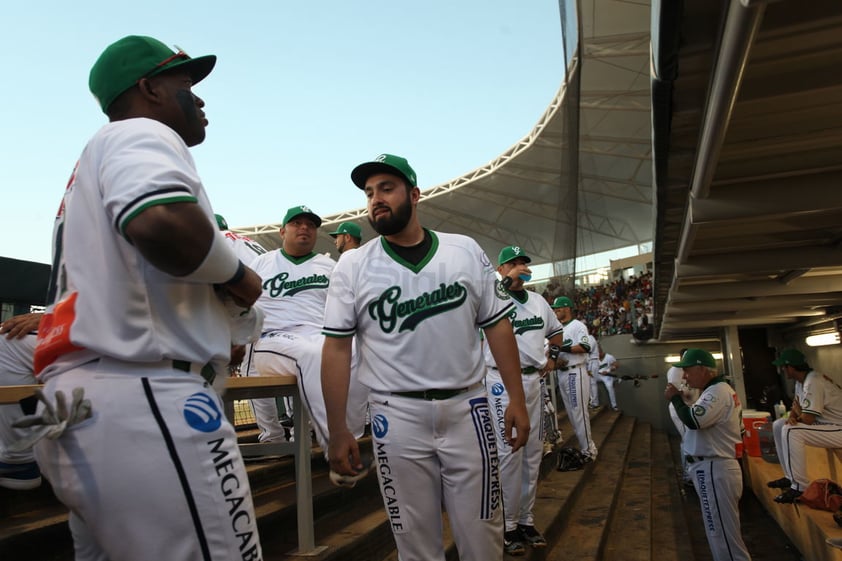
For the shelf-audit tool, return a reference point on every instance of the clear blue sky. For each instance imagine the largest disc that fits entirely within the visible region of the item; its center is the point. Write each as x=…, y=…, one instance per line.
x=302, y=92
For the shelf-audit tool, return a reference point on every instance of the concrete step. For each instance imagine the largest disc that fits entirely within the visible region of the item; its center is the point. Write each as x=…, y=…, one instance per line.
x=582, y=535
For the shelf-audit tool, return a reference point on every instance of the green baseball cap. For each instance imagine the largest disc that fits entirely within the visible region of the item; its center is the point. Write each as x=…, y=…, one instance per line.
x=298, y=211
x=511, y=252
x=562, y=302
x=696, y=357
x=384, y=163
x=790, y=357
x=350, y=228
x=126, y=61
x=221, y=222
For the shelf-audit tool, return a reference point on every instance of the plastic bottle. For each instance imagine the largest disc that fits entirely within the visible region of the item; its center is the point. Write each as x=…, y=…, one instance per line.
x=780, y=409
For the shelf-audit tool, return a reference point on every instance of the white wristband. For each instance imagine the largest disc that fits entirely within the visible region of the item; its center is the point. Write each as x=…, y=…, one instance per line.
x=220, y=264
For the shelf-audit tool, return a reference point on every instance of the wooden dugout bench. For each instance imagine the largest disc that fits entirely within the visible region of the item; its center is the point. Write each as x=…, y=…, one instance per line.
x=254, y=388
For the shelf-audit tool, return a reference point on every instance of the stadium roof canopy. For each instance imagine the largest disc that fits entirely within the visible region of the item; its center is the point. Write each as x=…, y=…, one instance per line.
x=747, y=114
x=524, y=195
x=741, y=102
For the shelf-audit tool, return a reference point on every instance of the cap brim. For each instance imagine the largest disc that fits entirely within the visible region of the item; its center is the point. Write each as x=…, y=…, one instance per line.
x=362, y=172
x=198, y=67
x=334, y=234
x=315, y=218
x=778, y=362
x=528, y=259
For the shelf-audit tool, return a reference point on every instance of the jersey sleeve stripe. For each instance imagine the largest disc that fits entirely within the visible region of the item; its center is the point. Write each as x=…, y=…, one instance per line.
x=554, y=333
x=498, y=316
x=332, y=332
x=160, y=197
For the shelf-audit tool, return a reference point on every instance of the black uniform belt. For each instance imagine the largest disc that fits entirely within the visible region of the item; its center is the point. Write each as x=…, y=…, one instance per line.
x=186, y=366
x=437, y=394
x=527, y=370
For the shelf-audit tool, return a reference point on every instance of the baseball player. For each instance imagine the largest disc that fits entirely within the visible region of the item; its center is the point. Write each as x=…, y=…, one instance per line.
x=593, y=369
x=607, y=365
x=689, y=396
x=348, y=236
x=815, y=420
x=18, y=469
x=246, y=248
x=242, y=356
x=141, y=303
x=787, y=356
x=533, y=321
x=714, y=444
x=414, y=298
x=295, y=283
x=572, y=377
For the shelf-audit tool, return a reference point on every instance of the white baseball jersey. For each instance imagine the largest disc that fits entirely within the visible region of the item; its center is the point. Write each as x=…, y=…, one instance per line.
x=533, y=321
x=402, y=313
x=822, y=397
x=141, y=314
x=575, y=333
x=294, y=289
x=715, y=422
x=593, y=355
x=606, y=366
x=246, y=248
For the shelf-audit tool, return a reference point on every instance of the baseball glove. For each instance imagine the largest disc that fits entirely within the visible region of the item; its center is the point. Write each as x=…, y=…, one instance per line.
x=570, y=459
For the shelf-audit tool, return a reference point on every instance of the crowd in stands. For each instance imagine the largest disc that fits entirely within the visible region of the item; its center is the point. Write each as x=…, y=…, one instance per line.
x=621, y=306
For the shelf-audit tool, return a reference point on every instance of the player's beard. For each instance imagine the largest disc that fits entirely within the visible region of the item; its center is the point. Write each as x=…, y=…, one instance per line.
x=395, y=221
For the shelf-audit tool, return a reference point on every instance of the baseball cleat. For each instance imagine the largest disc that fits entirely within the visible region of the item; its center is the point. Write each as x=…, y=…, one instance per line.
x=788, y=497
x=512, y=544
x=531, y=536
x=782, y=483
x=342, y=480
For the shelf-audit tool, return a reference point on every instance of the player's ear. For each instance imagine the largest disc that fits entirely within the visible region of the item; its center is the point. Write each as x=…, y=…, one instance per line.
x=150, y=90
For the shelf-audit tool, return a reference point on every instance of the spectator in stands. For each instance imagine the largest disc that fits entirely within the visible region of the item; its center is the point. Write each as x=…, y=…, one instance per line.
x=18, y=469
x=713, y=441
x=815, y=419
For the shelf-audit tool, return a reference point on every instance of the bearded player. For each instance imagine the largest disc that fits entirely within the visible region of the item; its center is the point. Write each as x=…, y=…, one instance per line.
x=415, y=300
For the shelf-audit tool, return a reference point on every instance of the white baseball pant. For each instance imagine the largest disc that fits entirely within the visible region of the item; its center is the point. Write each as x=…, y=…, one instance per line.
x=519, y=471
x=719, y=485
x=792, y=453
x=288, y=352
x=155, y=472
x=575, y=390
x=434, y=453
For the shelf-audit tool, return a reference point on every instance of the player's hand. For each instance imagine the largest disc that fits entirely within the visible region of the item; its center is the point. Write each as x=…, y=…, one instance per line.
x=18, y=327
x=516, y=418
x=796, y=407
x=246, y=291
x=549, y=367
x=343, y=453
x=671, y=391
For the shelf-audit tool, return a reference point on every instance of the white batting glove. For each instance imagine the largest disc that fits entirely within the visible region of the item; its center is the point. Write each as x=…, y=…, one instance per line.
x=53, y=421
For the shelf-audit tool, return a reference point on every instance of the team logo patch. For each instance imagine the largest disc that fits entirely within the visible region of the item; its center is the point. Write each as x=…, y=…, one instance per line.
x=379, y=425
x=202, y=413
x=698, y=410
x=500, y=292
x=805, y=403
x=497, y=389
